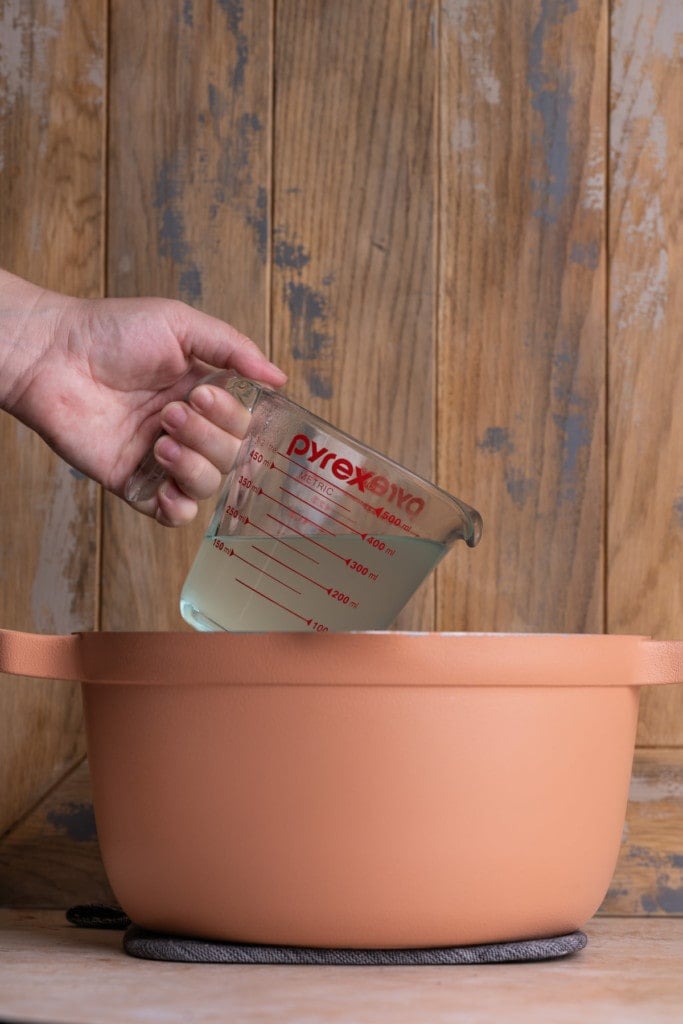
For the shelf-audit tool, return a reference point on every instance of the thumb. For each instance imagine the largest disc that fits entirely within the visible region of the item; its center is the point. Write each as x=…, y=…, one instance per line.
x=217, y=343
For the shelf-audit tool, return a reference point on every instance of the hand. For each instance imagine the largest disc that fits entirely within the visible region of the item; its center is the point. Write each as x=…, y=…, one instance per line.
x=98, y=379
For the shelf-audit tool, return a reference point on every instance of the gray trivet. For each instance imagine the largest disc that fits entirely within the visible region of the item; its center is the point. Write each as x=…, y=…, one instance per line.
x=97, y=915
x=147, y=945
x=150, y=946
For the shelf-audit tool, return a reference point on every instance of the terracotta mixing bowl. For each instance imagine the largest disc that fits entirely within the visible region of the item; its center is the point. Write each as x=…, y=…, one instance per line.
x=366, y=790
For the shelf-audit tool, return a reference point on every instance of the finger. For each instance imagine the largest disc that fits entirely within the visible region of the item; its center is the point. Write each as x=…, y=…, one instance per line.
x=169, y=506
x=174, y=508
x=221, y=408
x=194, y=474
x=195, y=434
x=219, y=344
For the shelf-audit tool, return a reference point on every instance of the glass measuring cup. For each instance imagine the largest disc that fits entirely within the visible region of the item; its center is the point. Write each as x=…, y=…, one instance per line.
x=313, y=529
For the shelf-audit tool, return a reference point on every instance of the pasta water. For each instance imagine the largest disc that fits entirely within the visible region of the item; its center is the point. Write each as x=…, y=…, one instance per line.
x=313, y=582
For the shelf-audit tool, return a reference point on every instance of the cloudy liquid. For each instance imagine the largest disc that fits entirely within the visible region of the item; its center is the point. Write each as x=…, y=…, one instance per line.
x=315, y=583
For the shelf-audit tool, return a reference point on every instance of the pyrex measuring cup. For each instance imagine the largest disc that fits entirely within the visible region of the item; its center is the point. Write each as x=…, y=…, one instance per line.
x=314, y=530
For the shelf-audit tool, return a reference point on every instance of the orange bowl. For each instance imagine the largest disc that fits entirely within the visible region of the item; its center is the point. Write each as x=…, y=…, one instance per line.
x=358, y=790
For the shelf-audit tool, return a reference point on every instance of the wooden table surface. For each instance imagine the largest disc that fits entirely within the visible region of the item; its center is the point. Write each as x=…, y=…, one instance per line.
x=631, y=972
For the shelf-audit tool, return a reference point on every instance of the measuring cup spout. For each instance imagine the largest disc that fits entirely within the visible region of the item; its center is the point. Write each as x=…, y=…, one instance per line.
x=474, y=525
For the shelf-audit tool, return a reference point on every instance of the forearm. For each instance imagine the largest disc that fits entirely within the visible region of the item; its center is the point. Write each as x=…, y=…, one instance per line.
x=28, y=318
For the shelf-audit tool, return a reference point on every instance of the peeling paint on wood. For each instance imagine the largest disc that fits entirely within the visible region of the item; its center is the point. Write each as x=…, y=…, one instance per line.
x=189, y=135
x=645, y=354
x=477, y=36
x=576, y=437
x=550, y=84
x=234, y=13
x=678, y=507
x=649, y=874
x=311, y=341
x=660, y=785
x=57, y=588
x=496, y=439
x=594, y=185
x=23, y=46
x=227, y=178
x=234, y=169
x=52, y=56
x=191, y=155
x=172, y=241
x=256, y=216
x=586, y=255
x=27, y=42
x=75, y=820
x=519, y=486
x=289, y=255
x=647, y=40
x=522, y=312
x=188, y=13
x=52, y=858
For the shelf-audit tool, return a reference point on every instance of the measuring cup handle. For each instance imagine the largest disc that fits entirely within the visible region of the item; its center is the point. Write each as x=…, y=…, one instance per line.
x=143, y=484
x=661, y=661
x=34, y=654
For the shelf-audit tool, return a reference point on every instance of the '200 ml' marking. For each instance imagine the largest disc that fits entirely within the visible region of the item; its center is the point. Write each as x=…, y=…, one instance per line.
x=354, y=476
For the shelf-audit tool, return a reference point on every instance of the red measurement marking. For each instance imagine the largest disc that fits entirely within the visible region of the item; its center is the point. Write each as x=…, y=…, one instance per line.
x=302, y=483
x=326, y=514
x=396, y=526
x=273, y=601
x=279, y=539
x=373, y=509
x=346, y=493
x=258, y=568
x=292, y=569
x=295, y=513
x=309, y=539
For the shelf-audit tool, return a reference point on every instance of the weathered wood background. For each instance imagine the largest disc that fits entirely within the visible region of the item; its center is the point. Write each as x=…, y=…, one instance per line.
x=456, y=226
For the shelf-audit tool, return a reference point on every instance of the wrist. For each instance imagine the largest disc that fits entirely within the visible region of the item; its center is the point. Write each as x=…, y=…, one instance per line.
x=29, y=316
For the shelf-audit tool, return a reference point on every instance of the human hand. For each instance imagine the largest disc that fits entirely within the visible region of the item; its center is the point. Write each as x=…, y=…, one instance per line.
x=98, y=379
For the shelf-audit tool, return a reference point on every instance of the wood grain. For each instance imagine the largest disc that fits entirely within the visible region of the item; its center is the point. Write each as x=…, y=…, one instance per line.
x=189, y=200
x=629, y=973
x=51, y=858
x=645, y=522
x=410, y=202
x=521, y=309
x=649, y=875
x=353, y=224
x=51, y=223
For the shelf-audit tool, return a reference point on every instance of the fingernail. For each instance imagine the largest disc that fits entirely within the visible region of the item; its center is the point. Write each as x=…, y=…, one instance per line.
x=167, y=449
x=202, y=398
x=174, y=415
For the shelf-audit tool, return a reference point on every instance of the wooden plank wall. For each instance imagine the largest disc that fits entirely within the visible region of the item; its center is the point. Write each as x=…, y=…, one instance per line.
x=455, y=225
x=52, y=222
x=644, y=526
